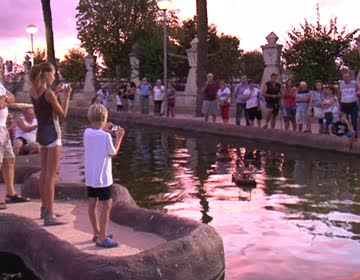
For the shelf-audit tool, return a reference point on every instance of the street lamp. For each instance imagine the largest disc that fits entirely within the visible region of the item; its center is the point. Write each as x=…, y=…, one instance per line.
x=165, y=5
x=32, y=30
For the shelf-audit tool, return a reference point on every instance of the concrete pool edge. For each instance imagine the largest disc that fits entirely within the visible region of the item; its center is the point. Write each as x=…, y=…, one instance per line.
x=192, y=250
x=276, y=136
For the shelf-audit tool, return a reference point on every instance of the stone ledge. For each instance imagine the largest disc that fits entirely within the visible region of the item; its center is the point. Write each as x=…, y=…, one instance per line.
x=192, y=251
x=25, y=166
x=276, y=136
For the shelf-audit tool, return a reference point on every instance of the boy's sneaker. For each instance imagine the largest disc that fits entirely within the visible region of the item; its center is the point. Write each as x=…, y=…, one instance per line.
x=96, y=237
x=51, y=220
x=107, y=243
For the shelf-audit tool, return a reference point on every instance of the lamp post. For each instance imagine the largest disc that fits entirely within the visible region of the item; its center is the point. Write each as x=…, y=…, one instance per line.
x=165, y=5
x=32, y=30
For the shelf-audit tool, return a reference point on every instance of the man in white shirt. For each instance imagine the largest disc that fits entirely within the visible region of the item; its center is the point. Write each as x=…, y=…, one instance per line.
x=25, y=133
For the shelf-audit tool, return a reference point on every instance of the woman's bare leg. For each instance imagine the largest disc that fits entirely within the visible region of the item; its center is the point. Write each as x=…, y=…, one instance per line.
x=53, y=159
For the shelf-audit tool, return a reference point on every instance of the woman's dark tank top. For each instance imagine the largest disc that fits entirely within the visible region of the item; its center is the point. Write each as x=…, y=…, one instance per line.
x=48, y=122
x=273, y=90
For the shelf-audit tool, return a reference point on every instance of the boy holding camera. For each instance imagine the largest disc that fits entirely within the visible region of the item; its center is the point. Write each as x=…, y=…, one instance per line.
x=99, y=150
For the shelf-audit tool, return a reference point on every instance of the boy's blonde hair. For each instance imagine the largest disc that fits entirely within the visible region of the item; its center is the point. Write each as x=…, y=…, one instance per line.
x=97, y=113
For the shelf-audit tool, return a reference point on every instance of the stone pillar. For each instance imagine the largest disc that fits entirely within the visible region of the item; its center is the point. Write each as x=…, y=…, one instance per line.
x=271, y=53
x=27, y=64
x=89, y=86
x=191, y=88
x=134, y=66
x=23, y=96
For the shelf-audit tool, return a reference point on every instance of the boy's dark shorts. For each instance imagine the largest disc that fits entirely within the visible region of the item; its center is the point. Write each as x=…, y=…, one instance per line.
x=100, y=193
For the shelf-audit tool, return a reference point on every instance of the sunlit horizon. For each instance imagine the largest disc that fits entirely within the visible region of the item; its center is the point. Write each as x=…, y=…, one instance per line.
x=249, y=21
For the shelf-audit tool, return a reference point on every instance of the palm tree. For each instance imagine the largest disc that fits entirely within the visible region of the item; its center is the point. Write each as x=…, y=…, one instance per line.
x=202, y=57
x=49, y=32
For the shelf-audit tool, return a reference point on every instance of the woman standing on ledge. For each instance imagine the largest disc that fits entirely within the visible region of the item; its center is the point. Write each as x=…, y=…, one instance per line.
x=7, y=157
x=48, y=110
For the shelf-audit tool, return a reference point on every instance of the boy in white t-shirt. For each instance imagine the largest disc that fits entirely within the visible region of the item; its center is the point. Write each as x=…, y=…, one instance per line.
x=98, y=152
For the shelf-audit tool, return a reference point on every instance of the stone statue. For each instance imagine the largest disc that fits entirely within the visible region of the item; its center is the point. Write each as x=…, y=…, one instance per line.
x=191, y=88
x=271, y=53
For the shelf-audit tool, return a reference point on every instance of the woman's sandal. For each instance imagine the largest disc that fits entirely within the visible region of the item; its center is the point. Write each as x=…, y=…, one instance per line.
x=3, y=206
x=16, y=199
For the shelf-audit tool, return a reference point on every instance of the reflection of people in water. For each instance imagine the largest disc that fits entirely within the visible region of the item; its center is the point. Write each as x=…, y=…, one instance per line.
x=248, y=160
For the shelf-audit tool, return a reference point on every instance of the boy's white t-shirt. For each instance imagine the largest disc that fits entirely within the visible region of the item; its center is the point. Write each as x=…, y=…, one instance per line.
x=98, y=150
x=253, y=99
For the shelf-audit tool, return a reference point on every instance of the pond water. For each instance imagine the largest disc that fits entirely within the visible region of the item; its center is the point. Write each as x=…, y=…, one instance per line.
x=301, y=221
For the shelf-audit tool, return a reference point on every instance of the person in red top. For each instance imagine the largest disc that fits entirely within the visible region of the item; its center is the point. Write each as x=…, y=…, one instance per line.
x=210, y=104
x=289, y=95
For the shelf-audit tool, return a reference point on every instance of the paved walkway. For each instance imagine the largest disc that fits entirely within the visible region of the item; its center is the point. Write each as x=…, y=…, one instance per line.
x=232, y=120
x=78, y=231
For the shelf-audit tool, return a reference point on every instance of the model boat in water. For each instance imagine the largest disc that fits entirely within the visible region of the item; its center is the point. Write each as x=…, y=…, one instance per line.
x=244, y=178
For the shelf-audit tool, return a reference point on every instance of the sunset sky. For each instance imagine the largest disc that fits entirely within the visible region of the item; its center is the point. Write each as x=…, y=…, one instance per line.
x=250, y=21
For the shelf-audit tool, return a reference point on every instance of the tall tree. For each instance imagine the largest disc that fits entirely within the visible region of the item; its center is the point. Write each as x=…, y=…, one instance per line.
x=252, y=65
x=46, y=7
x=313, y=52
x=202, y=57
x=110, y=28
x=73, y=68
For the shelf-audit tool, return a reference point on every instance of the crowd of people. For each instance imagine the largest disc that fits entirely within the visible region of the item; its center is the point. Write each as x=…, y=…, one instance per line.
x=128, y=93
x=334, y=107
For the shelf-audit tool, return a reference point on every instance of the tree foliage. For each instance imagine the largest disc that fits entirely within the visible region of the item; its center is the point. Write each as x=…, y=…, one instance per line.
x=351, y=59
x=312, y=51
x=73, y=68
x=224, y=55
x=111, y=27
x=39, y=56
x=252, y=65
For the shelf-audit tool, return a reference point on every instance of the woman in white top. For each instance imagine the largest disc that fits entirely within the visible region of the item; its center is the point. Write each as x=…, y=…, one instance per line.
x=7, y=157
x=253, y=103
x=159, y=91
x=224, y=95
x=330, y=107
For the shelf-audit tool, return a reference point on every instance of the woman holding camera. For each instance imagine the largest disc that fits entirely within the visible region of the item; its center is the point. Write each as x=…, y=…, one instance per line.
x=48, y=110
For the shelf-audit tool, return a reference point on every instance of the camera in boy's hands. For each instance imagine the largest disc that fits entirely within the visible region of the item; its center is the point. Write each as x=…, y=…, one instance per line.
x=115, y=127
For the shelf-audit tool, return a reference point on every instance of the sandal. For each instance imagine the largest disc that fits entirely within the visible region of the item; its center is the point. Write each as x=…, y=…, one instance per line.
x=3, y=206
x=16, y=199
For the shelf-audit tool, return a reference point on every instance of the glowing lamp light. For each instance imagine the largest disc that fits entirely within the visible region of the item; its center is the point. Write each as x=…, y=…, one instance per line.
x=165, y=5
x=31, y=29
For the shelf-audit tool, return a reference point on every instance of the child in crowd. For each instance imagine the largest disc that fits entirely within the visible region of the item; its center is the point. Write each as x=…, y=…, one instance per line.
x=98, y=152
x=171, y=99
x=341, y=127
x=330, y=107
x=253, y=97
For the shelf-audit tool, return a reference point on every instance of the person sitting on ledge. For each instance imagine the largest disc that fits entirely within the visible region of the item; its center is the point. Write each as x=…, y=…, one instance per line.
x=98, y=152
x=341, y=128
x=25, y=133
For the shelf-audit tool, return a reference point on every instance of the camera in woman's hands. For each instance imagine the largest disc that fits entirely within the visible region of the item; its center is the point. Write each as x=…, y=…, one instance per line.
x=65, y=86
